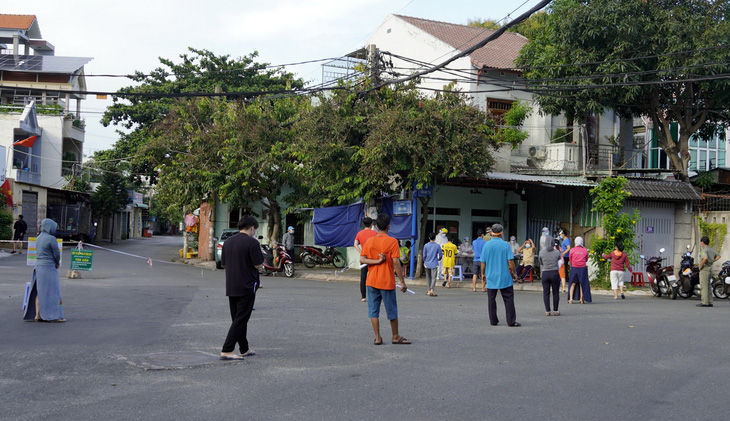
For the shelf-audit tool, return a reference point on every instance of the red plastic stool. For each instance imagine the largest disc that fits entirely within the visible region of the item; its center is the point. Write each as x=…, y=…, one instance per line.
x=531, y=280
x=637, y=279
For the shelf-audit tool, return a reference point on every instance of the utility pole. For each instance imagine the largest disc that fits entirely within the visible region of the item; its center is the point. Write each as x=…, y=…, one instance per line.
x=373, y=58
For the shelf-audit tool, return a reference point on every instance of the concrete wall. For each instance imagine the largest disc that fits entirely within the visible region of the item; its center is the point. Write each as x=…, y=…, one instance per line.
x=715, y=217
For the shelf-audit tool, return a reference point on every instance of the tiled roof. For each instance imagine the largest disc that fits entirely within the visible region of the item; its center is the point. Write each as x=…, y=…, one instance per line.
x=661, y=190
x=16, y=21
x=500, y=53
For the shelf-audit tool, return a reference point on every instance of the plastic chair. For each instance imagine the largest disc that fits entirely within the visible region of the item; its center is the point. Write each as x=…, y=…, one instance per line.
x=637, y=279
x=458, y=274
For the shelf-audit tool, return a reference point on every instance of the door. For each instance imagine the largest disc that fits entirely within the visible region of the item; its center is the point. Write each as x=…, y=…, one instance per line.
x=30, y=213
x=655, y=229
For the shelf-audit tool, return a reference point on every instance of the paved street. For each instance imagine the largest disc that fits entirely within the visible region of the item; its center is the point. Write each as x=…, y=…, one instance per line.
x=640, y=358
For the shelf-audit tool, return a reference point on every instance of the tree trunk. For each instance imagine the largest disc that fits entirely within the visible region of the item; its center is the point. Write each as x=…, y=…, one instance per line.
x=274, y=220
x=211, y=225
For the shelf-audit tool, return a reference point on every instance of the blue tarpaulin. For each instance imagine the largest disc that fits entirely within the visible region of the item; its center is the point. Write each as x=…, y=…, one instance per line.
x=400, y=226
x=337, y=226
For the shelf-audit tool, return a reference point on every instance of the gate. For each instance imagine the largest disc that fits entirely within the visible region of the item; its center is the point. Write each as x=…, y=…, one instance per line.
x=655, y=229
x=30, y=213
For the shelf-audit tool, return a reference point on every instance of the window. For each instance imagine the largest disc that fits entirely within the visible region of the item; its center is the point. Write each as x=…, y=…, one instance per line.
x=498, y=106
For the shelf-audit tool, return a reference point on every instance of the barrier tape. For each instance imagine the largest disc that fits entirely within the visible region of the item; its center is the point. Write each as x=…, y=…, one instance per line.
x=81, y=246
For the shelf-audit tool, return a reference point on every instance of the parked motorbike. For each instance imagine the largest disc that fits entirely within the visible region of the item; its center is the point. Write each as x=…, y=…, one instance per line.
x=721, y=284
x=312, y=256
x=281, y=263
x=689, y=276
x=661, y=279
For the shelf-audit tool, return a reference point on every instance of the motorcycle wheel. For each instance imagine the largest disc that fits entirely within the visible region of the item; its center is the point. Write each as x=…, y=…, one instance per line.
x=681, y=293
x=719, y=289
x=655, y=290
x=309, y=261
x=289, y=269
x=673, y=293
x=339, y=260
x=218, y=265
x=663, y=287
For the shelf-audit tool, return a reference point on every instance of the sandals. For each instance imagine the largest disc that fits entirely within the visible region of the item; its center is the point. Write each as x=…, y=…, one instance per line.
x=556, y=313
x=375, y=342
x=401, y=341
x=547, y=313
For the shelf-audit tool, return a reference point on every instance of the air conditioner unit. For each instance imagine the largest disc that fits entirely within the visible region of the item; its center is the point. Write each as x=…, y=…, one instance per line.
x=537, y=153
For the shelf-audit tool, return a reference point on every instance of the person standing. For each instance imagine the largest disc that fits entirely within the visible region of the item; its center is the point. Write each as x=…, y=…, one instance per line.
x=515, y=247
x=288, y=242
x=405, y=257
x=381, y=254
x=579, y=273
x=449, y=261
x=432, y=254
x=466, y=255
x=242, y=259
x=20, y=228
x=565, y=251
x=619, y=259
x=707, y=258
x=528, y=259
x=44, y=302
x=477, y=245
x=360, y=239
x=549, y=263
x=498, y=267
x=546, y=243
x=441, y=240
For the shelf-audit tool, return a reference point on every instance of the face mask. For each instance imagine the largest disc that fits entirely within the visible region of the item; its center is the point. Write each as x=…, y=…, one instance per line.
x=546, y=234
x=527, y=246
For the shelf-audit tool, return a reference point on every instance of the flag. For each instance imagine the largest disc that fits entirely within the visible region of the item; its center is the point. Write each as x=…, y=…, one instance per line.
x=5, y=190
x=29, y=141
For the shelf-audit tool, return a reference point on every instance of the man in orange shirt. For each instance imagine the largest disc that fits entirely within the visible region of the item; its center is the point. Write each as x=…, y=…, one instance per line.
x=362, y=237
x=382, y=255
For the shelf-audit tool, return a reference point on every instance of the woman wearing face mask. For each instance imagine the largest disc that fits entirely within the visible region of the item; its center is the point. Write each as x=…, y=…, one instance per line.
x=528, y=259
x=44, y=302
x=515, y=249
x=550, y=260
x=579, y=273
x=546, y=242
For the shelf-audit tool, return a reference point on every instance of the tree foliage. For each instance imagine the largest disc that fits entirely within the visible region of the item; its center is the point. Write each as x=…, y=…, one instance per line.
x=199, y=71
x=359, y=145
x=527, y=28
x=233, y=151
x=110, y=196
x=609, y=198
x=664, y=59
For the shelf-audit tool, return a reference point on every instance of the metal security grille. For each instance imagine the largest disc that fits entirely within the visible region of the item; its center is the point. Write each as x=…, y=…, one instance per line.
x=655, y=229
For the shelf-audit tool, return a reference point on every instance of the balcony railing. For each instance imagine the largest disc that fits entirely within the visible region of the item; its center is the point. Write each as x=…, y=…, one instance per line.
x=26, y=176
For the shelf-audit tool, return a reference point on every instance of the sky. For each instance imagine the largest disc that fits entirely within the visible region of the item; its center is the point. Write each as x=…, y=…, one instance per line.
x=127, y=36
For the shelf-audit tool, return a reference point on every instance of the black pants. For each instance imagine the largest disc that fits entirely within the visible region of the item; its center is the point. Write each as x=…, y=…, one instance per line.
x=508, y=296
x=241, y=308
x=551, y=279
x=363, y=280
x=566, y=260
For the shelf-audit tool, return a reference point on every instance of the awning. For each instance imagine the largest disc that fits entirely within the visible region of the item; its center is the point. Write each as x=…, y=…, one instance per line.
x=661, y=190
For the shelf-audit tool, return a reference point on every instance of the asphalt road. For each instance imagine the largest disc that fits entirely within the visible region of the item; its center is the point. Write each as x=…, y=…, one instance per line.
x=639, y=358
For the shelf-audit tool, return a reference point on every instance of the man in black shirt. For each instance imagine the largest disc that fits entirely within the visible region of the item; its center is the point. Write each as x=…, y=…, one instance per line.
x=20, y=228
x=242, y=258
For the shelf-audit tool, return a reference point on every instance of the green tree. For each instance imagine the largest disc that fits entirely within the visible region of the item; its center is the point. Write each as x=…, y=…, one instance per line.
x=664, y=59
x=359, y=145
x=608, y=199
x=527, y=28
x=200, y=71
x=6, y=225
x=235, y=152
x=110, y=196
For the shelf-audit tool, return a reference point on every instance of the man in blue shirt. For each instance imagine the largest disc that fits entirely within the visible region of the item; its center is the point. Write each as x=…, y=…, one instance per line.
x=497, y=260
x=432, y=255
x=478, y=245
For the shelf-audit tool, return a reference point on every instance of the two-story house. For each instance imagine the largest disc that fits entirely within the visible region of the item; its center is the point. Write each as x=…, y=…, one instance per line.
x=41, y=129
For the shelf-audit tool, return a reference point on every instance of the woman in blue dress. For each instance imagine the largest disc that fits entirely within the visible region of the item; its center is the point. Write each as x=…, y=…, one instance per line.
x=44, y=301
